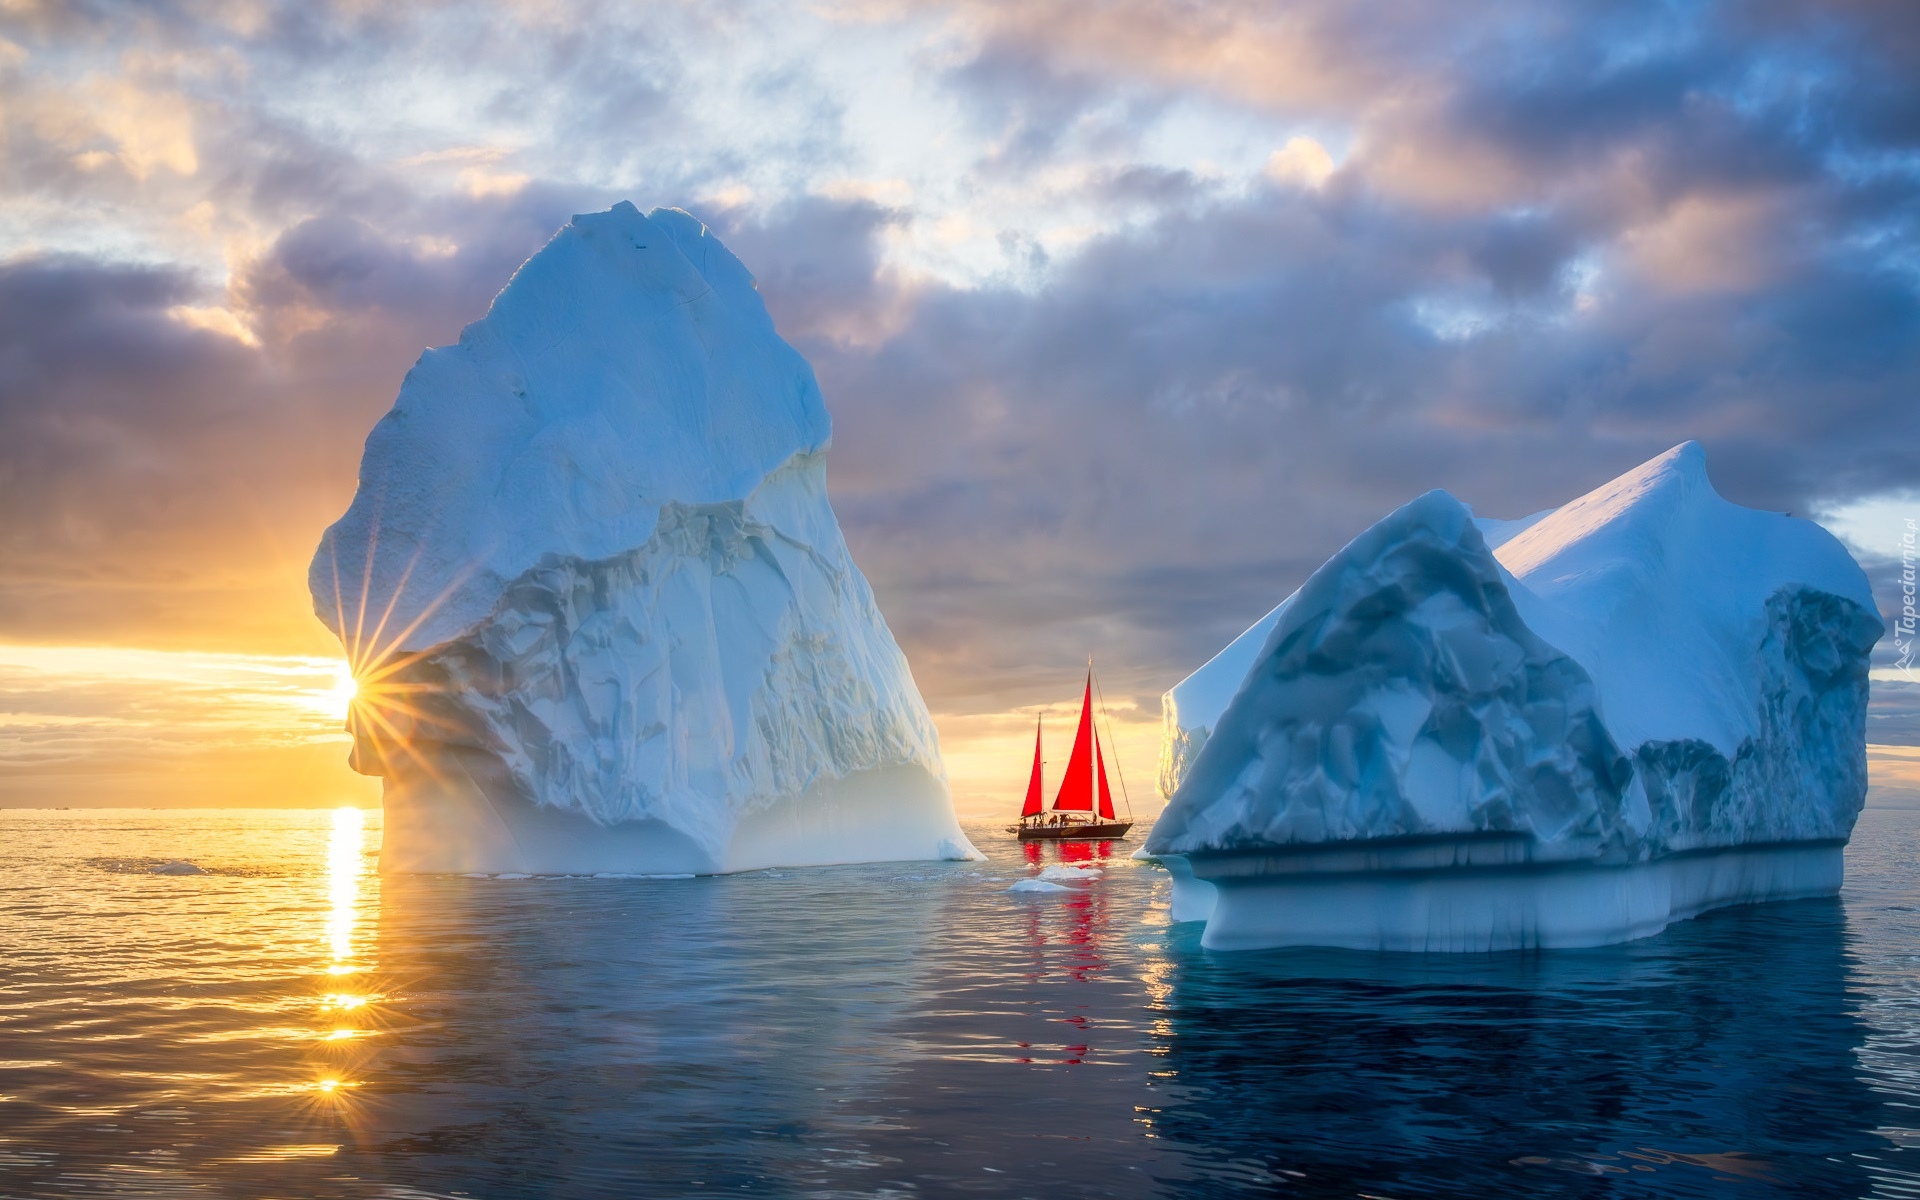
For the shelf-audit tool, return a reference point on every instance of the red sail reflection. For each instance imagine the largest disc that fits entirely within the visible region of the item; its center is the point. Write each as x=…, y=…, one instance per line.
x=1066, y=938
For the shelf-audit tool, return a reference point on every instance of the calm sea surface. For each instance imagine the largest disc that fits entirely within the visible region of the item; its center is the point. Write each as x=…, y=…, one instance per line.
x=289, y=1024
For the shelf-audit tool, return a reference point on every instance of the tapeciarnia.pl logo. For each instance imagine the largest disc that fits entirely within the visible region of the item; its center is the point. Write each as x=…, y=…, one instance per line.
x=1903, y=624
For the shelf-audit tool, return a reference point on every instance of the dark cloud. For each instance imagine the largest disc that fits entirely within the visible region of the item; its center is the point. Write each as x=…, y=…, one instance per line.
x=1029, y=106
x=1156, y=187
x=1552, y=243
x=819, y=265
x=164, y=478
x=1150, y=449
x=428, y=273
x=110, y=415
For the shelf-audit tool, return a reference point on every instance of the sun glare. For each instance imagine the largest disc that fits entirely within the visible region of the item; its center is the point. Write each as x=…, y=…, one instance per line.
x=345, y=688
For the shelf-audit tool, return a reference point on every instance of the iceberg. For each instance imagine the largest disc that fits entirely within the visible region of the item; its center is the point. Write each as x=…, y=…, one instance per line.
x=1568, y=730
x=600, y=612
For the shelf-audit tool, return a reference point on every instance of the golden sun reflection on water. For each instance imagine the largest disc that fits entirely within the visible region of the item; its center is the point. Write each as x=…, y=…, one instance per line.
x=340, y=1012
x=343, y=887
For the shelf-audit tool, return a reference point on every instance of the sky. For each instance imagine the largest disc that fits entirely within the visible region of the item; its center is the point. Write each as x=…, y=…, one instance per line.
x=1128, y=312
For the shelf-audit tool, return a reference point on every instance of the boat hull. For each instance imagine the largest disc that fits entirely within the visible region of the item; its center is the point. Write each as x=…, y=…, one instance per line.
x=1102, y=831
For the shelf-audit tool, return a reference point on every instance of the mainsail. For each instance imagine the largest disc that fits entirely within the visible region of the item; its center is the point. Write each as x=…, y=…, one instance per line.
x=1076, y=790
x=1085, y=785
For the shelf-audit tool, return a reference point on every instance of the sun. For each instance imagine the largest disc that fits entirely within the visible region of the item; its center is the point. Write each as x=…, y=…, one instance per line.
x=341, y=695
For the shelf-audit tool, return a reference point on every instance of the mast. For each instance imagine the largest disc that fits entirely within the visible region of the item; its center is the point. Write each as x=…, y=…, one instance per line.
x=1035, y=800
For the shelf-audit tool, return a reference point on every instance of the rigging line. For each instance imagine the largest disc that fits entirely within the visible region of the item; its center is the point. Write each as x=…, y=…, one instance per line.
x=1122, y=775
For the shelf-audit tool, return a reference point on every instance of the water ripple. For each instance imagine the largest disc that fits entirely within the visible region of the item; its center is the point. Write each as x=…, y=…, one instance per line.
x=289, y=1023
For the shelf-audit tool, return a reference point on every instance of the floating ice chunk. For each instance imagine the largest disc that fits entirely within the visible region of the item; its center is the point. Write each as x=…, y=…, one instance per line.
x=1038, y=885
x=603, y=614
x=1643, y=705
x=1062, y=873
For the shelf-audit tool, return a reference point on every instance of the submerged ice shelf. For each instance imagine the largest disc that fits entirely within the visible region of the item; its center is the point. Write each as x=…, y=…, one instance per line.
x=602, y=613
x=1562, y=731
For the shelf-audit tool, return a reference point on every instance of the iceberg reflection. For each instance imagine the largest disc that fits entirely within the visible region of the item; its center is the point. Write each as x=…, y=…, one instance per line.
x=1720, y=1053
x=670, y=1035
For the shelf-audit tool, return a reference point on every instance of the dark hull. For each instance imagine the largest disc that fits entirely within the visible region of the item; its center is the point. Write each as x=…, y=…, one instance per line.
x=1103, y=831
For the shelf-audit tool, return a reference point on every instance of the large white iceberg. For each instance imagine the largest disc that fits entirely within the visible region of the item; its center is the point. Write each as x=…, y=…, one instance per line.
x=601, y=611
x=1563, y=731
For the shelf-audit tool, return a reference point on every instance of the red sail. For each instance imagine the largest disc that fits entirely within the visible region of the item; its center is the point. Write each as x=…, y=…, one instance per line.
x=1076, y=790
x=1106, y=797
x=1034, y=799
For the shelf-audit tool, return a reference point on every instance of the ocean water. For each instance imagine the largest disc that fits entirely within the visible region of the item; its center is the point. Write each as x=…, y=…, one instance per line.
x=286, y=1023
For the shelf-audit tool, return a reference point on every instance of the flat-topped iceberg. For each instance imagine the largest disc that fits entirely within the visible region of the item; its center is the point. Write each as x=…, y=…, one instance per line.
x=1563, y=731
x=601, y=612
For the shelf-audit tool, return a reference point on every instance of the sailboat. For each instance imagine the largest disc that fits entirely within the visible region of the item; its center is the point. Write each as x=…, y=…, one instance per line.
x=1083, y=807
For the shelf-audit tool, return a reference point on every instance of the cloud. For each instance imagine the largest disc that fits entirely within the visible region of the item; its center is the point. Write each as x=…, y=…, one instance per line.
x=1127, y=314
x=1145, y=454
x=169, y=450
x=1894, y=776
x=1301, y=161
x=93, y=726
